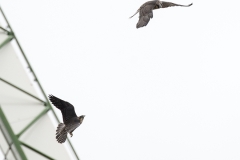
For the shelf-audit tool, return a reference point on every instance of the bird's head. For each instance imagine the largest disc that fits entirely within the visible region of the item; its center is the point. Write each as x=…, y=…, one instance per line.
x=81, y=118
x=159, y=3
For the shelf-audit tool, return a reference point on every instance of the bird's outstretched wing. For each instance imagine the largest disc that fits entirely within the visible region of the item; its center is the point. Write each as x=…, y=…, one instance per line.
x=145, y=13
x=170, y=4
x=66, y=108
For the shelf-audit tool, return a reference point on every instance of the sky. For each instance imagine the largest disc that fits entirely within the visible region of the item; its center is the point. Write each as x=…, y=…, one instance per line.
x=167, y=91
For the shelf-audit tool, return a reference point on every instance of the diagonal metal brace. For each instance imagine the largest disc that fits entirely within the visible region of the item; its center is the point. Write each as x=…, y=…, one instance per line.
x=6, y=41
x=35, y=150
x=14, y=86
x=14, y=139
x=4, y=29
x=33, y=121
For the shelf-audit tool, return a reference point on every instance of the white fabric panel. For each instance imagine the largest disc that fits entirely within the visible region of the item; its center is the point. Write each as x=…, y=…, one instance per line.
x=20, y=108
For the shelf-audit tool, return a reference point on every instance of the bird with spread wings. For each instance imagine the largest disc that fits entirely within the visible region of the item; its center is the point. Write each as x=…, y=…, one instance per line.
x=145, y=11
x=70, y=120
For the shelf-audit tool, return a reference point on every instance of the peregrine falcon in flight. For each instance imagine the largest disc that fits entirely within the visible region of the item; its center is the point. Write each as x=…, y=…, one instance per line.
x=70, y=119
x=145, y=11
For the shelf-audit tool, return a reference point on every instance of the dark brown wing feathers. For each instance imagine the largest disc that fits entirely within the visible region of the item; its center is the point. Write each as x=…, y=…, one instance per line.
x=170, y=4
x=66, y=108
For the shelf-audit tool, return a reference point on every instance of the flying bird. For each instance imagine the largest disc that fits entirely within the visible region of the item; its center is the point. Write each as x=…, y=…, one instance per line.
x=145, y=11
x=70, y=120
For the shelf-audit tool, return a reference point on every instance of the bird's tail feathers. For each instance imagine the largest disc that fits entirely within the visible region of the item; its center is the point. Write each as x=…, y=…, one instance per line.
x=61, y=133
x=134, y=13
x=60, y=127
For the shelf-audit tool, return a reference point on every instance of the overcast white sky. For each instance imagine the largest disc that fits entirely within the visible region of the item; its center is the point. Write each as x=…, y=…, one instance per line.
x=168, y=91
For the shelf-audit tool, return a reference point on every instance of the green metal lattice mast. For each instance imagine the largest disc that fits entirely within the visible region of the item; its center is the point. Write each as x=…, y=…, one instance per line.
x=13, y=139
